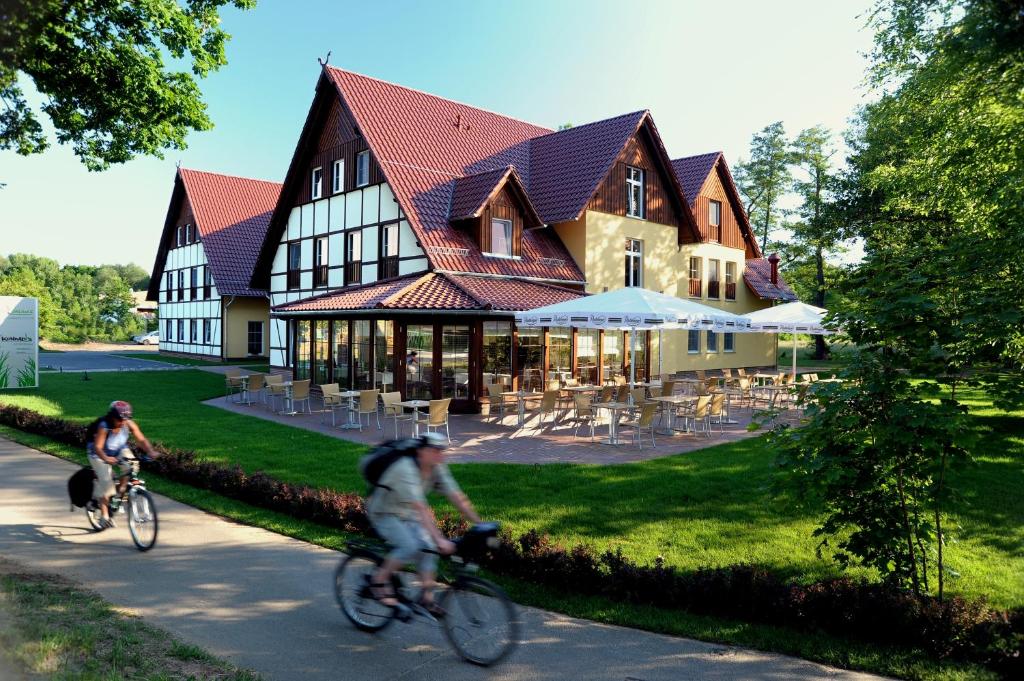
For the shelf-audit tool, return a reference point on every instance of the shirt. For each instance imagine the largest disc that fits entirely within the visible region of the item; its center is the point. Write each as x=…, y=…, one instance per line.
x=405, y=487
x=115, y=442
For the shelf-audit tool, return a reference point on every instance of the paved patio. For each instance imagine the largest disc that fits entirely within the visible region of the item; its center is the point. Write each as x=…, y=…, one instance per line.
x=483, y=439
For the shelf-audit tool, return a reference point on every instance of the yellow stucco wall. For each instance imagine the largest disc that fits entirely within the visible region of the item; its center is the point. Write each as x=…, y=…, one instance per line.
x=597, y=244
x=237, y=315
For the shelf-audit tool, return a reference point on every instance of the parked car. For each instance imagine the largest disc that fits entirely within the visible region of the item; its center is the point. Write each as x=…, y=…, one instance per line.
x=151, y=338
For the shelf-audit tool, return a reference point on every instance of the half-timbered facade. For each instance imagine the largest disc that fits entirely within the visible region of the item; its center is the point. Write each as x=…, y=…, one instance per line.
x=410, y=228
x=215, y=227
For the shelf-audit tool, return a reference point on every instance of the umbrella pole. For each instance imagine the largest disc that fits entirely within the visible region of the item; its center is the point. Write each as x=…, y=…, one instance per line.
x=660, y=369
x=794, y=356
x=632, y=358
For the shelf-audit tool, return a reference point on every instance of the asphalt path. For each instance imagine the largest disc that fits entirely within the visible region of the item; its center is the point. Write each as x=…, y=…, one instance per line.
x=93, y=360
x=264, y=601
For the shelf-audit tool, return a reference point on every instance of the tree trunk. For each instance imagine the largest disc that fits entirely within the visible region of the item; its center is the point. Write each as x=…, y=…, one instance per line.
x=910, y=538
x=767, y=221
x=820, y=346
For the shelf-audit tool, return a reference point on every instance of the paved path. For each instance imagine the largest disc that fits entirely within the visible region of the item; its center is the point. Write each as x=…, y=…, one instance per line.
x=92, y=360
x=264, y=601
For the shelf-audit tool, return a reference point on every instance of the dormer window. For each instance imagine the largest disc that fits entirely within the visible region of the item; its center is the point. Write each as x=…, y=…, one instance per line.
x=715, y=220
x=362, y=168
x=317, y=182
x=338, y=176
x=501, y=238
x=634, y=192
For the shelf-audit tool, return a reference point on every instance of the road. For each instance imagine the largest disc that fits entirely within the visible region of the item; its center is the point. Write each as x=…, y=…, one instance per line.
x=92, y=360
x=264, y=601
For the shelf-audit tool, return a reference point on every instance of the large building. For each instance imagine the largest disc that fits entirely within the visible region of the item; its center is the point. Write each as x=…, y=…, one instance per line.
x=409, y=229
x=213, y=232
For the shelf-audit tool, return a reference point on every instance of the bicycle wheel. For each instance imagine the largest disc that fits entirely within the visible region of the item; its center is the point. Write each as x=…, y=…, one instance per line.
x=142, y=522
x=352, y=591
x=480, y=621
x=93, y=513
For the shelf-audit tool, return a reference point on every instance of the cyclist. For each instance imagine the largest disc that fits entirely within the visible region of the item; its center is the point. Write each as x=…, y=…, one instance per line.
x=399, y=512
x=107, y=448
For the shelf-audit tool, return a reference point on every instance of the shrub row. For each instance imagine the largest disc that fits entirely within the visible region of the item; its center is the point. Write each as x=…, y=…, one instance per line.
x=873, y=612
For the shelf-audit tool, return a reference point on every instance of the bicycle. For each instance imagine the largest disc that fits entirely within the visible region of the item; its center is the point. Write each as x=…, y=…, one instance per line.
x=137, y=502
x=478, y=613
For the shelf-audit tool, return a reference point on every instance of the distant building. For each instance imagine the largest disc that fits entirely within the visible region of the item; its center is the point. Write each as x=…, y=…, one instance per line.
x=143, y=307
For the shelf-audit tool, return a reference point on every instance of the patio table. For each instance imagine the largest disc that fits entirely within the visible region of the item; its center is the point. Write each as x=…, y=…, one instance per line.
x=290, y=411
x=729, y=392
x=352, y=416
x=244, y=383
x=415, y=405
x=762, y=378
x=613, y=421
x=521, y=398
x=668, y=405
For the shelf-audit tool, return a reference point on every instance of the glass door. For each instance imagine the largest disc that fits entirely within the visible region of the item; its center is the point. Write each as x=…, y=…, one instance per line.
x=321, y=345
x=341, y=351
x=419, y=362
x=455, y=361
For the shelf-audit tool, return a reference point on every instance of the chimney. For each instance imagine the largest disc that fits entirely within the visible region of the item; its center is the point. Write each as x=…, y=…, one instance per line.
x=773, y=260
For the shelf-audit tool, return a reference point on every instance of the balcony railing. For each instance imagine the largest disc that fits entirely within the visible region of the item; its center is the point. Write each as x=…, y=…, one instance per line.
x=354, y=272
x=294, y=277
x=387, y=267
x=730, y=290
x=713, y=289
x=695, y=287
x=319, y=276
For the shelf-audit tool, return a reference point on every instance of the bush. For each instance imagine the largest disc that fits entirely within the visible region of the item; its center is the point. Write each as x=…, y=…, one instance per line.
x=873, y=612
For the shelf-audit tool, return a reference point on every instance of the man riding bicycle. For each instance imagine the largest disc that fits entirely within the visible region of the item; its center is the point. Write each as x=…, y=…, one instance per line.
x=398, y=511
x=109, y=448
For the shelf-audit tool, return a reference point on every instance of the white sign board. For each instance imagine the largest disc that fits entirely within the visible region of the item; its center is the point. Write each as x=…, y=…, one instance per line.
x=19, y=342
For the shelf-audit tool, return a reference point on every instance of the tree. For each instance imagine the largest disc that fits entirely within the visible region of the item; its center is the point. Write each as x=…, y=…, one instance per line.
x=765, y=178
x=819, y=230
x=134, y=276
x=116, y=302
x=99, y=66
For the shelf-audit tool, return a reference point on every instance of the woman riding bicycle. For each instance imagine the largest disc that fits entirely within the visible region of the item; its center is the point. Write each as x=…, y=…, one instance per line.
x=109, y=448
x=399, y=512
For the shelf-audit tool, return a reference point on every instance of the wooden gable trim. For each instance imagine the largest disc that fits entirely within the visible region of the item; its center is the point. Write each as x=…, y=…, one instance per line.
x=733, y=192
x=178, y=196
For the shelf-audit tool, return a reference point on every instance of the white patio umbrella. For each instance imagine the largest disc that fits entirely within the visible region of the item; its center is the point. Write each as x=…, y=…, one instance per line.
x=795, y=317
x=629, y=309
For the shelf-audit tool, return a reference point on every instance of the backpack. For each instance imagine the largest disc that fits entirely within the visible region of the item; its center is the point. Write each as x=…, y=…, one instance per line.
x=80, y=487
x=373, y=465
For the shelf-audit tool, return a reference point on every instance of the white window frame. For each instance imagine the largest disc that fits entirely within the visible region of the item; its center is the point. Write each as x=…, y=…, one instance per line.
x=207, y=332
x=320, y=245
x=389, y=240
x=728, y=342
x=338, y=176
x=363, y=168
x=635, y=181
x=712, y=203
x=316, y=179
x=169, y=330
x=691, y=334
x=635, y=254
x=507, y=224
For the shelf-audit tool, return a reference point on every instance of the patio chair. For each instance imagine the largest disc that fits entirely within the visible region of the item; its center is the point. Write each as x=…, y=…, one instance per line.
x=495, y=400
x=273, y=388
x=668, y=386
x=330, y=393
x=813, y=377
x=368, y=405
x=644, y=422
x=716, y=412
x=701, y=376
x=585, y=415
x=639, y=396
x=741, y=372
x=548, y=405
x=256, y=383
x=700, y=414
x=607, y=393
x=393, y=410
x=438, y=416
x=232, y=382
x=743, y=385
x=622, y=393
x=727, y=373
x=701, y=389
x=619, y=380
x=300, y=393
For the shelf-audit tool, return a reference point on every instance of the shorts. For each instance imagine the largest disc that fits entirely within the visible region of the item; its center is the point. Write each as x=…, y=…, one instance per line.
x=407, y=539
x=103, y=486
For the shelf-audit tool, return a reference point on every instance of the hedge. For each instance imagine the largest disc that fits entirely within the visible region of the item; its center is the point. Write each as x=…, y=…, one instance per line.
x=953, y=628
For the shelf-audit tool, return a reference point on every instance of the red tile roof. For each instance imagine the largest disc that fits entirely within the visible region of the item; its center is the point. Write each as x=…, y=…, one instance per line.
x=693, y=171
x=758, y=276
x=437, y=291
x=232, y=215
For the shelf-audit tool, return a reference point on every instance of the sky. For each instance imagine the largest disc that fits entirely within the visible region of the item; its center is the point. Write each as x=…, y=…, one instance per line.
x=712, y=74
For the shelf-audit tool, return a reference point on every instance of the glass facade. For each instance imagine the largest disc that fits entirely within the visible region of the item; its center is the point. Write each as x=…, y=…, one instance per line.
x=586, y=355
x=302, y=348
x=419, y=361
x=497, y=354
x=530, y=359
x=455, y=361
x=362, y=371
x=384, y=355
x=611, y=355
x=321, y=348
x=342, y=376
x=559, y=353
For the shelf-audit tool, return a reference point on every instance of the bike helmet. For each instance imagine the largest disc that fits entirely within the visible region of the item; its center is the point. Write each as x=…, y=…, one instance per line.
x=122, y=409
x=433, y=440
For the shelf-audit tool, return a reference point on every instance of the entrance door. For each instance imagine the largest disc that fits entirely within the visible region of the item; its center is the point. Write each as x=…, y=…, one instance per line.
x=419, y=362
x=455, y=369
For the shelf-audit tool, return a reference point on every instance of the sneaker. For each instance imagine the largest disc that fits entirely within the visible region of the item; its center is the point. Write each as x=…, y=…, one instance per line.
x=109, y=522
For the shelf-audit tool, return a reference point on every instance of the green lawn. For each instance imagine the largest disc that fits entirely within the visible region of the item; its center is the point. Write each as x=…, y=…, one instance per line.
x=805, y=353
x=706, y=508
x=189, y=361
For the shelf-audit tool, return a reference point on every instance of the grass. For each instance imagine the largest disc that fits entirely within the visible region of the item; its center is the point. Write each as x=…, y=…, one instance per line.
x=840, y=353
x=54, y=629
x=189, y=361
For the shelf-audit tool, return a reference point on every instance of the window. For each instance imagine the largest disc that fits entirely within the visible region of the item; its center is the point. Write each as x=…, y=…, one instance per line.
x=181, y=330
x=338, y=176
x=302, y=348
x=353, y=258
x=341, y=359
x=695, y=274
x=168, y=331
x=207, y=282
x=559, y=353
x=179, y=235
x=294, y=264
x=712, y=341
x=587, y=344
x=501, y=238
x=362, y=370
x=693, y=342
x=193, y=331
x=455, y=361
x=729, y=342
x=497, y=354
x=611, y=354
x=713, y=279
x=715, y=220
x=320, y=262
x=189, y=233
x=206, y=331
x=181, y=289
x=419, y=361
x=384, y=355
x=193, y=282
x=387, y=266
x=634, y=262
x=634, y=192
x=530, y=359
x=169, y=278
x=254, y=337
x=730, y=281
x=362, y=168
x=317, y=183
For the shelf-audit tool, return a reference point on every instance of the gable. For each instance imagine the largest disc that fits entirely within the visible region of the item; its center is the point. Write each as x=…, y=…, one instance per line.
x=731, y=232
